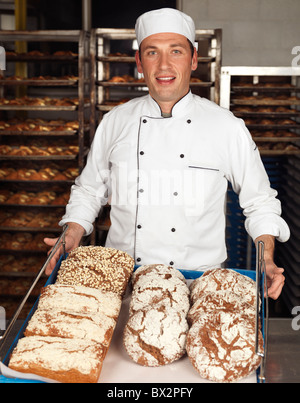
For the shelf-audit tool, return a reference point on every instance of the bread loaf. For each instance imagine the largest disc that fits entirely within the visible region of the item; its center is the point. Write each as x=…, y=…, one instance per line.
x=156, y=336
x=221, y=347
x=221, y=340
x=224, y=280
x=97, y=267
x=63, y=360
x=156, y=331
x=61, y=297
x=95, y=327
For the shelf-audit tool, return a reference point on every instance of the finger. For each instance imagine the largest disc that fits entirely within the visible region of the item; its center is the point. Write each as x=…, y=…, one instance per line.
x=53, y=262
x=50, y=241
x=276, y=287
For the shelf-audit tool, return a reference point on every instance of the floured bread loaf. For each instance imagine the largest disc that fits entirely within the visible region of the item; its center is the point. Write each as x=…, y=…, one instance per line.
x=212, y=303
x=224, y=280
x=222, y=347
x=155, y=337
x=95, y=327
x=159, y=285
x=153, y=281
x=156, y=332
x=160, y=292
x=63, y=360
x=97, y=267
x=59, y=297
x=156, y=269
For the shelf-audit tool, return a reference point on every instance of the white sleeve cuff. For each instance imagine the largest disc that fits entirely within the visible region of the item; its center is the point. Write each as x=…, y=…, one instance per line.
x=277, y=228
x=86, y=225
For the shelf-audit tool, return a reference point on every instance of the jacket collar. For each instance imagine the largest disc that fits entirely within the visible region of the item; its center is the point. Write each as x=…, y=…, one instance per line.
x=179, y=109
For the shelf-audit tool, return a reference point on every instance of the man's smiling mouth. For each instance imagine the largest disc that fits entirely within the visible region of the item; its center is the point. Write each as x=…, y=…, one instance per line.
x=165, y=79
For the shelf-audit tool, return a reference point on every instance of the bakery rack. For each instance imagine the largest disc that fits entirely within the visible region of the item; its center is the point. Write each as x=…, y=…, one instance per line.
x=268, y=99
x=115, y=80
x=44, y=105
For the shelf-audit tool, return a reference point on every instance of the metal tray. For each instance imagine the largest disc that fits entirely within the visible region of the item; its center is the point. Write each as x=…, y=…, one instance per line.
x=189, y=275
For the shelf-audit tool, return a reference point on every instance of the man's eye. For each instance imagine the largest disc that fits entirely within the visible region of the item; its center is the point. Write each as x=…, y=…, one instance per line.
x=176, y=51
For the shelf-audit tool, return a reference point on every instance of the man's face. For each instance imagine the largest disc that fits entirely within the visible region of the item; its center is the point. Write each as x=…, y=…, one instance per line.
x=166, y=63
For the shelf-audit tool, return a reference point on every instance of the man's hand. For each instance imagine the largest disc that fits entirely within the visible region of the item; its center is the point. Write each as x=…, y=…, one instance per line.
x=275, y=277
x=275, y=280
x=74, y=235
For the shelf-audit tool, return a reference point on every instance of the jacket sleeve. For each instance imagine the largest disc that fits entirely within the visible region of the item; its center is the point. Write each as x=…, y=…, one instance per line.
x=250, y=181
x=90, y=191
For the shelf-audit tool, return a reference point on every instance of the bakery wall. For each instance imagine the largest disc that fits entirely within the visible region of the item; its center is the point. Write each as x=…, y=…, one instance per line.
x=255, y=32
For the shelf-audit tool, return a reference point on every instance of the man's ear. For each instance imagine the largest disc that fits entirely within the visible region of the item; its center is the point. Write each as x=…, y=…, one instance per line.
x=195, y=60
x=138, y=62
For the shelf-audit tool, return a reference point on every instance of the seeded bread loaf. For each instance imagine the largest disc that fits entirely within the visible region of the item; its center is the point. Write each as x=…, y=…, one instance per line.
x=97, y=267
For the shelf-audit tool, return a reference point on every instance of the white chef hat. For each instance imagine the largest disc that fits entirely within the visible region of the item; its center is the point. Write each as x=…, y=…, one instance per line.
x=164, y=20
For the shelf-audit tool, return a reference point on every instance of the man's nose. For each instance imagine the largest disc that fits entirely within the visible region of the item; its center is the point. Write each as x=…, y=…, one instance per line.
x=164, y=61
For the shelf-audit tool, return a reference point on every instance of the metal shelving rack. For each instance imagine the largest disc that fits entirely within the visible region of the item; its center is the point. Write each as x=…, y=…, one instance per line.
x=268, y=99
x=15, y=88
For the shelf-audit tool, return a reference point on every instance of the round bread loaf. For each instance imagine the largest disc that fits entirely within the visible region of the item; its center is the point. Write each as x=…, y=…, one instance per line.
x=219, y=301
x=158, y=269
x=154, y=296
x=222, y=347
x=153, y=290
x=155, y=337
x=219, y=280
x=150, y=280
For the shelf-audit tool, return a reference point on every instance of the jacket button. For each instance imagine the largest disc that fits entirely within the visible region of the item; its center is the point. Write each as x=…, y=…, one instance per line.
x=144, y=120
x=142, y=153
x=189, y=121
x=181, y=155
x=139, y=226
x=173, y=229
x=138, y=259
x=171, y=263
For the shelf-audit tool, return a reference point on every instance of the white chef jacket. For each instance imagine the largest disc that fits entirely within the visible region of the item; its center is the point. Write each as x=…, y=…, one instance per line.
x=166, y=180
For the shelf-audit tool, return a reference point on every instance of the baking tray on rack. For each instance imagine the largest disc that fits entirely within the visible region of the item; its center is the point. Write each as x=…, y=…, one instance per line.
x=118, y=368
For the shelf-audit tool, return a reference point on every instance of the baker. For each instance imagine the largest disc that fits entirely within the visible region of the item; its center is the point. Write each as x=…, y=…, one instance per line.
x=164, y=160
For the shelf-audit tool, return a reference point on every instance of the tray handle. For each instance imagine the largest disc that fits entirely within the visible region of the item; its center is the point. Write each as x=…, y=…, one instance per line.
x=60, y=241
x=262, y=308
